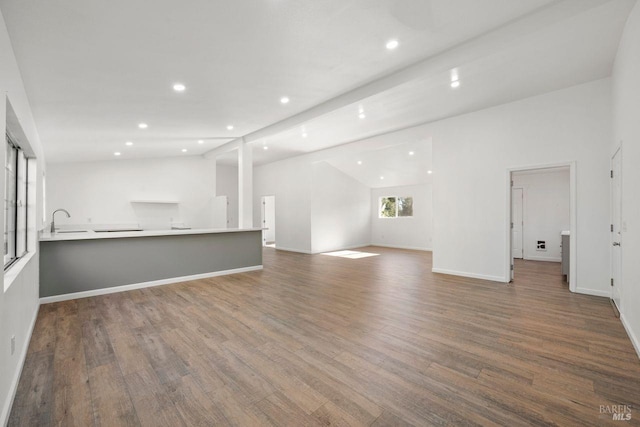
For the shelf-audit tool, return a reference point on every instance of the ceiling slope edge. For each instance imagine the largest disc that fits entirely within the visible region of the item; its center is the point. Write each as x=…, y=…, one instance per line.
x=472, y=49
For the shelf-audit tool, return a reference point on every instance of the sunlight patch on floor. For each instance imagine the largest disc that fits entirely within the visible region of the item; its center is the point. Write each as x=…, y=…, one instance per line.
x=350, y=254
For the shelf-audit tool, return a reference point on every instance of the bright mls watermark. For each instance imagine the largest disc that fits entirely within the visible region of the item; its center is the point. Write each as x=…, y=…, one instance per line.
x=616, y=412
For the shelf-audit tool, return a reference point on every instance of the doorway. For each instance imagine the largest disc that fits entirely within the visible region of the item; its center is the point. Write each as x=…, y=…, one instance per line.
x=616, y=227
x=541, y=215
x=269, y=221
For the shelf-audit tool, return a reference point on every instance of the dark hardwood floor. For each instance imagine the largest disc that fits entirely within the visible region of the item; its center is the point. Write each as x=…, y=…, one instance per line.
x=319, y=340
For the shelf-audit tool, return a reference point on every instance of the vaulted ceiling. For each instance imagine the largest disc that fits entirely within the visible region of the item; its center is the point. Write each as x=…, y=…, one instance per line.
x=94, y=70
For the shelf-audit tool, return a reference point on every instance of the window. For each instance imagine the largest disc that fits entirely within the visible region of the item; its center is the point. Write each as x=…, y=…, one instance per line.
x=405, y=206
x=387, y=207
x=15, y=203
x=394, y=207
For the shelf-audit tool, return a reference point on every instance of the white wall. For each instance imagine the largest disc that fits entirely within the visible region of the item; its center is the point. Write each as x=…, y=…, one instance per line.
x=20, y=301
x=227, y=185
x=546, y=206
x=340, y=210
x=626, y=129
x=98, y=193
x=471, y=156
x=290, y=182
x=410, y=233
x=318, y=207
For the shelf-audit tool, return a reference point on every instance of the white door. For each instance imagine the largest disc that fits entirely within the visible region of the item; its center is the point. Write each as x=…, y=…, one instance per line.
x=268, y=220
x=616, y=229
x=220, y=205
x=516, y=223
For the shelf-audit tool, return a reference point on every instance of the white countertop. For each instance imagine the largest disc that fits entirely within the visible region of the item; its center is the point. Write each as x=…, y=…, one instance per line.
x=46, y=236
x=565, y=233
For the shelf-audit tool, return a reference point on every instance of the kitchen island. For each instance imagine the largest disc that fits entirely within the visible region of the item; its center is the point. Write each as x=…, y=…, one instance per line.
x=82, y=263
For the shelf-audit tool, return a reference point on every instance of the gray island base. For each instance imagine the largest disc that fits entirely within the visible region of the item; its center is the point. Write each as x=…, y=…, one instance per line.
x=87, y=264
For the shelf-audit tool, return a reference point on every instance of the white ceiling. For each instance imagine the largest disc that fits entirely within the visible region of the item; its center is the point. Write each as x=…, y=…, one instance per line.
x=570, y=51
x=387, y=156
x=389, y=166
x=93, y=70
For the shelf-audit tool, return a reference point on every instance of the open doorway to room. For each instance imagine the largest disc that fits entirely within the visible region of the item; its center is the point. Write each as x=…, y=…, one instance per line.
x=540, y=226
x=268, y=221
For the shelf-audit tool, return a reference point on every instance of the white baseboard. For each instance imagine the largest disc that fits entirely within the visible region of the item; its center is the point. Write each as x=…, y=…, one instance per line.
x=594, y=292
x=123, y=288
x=471, y=275
x=8, y=404
x=299, y=251
x=543, y=258
x=346, y=248
x=411, y=248
x=632, y=336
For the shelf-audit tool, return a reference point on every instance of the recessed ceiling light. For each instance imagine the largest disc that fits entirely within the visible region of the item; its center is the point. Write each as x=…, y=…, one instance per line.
x=392, y=44
x=455, y=84
x=184, y=150
x=362, y=115
x=429, y=172
x=200, y=141
x=128, y=143
x=179, y=87
x=230, y=127
x=284, y=100
x=143, y=125
x=382, y=177
x=359, y=162
x=117, y=153
x=411, y=153
x=304, y=135
x=265, y=148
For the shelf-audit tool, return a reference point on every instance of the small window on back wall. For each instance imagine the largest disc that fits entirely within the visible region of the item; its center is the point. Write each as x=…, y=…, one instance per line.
x=394, y=207
x=405, y=206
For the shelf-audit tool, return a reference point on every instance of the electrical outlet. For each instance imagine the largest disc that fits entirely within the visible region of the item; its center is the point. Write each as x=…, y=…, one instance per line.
x=13, y=344
x=89, y=220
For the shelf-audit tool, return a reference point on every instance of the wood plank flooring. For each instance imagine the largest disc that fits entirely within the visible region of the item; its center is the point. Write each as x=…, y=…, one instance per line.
x=326, y=341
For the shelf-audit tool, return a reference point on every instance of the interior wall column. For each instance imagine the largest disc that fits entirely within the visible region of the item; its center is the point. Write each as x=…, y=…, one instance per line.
x=245, y=185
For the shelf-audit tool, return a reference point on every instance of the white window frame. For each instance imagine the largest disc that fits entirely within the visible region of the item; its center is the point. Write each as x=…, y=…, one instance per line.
x=19, y=207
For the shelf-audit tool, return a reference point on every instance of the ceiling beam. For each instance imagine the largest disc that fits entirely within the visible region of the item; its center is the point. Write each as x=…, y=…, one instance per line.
x=440, y=63
x=224, y=148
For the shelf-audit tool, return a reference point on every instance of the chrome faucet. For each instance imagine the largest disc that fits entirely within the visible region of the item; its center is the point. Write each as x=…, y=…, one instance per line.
x=53, y=218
